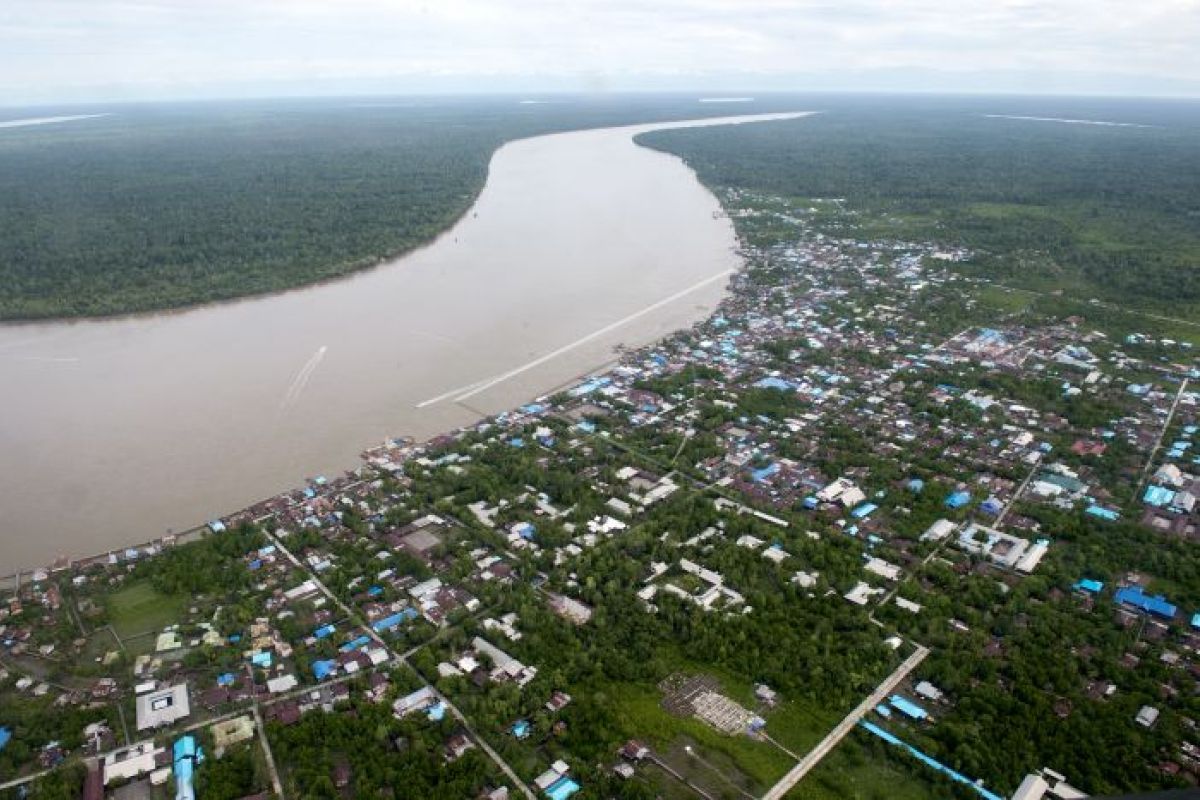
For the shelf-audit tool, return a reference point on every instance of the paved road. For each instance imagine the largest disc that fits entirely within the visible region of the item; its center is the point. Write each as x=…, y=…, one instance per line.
x=1158, y=443
x=252, y=707
x=393, y=656
x=826, y=745
x=1016, y=495
x=276, y=784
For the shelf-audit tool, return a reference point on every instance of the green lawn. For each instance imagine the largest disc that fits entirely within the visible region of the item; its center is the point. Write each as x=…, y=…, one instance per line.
x=1009, y=301
x=712, y=770
x=795, y=723
x=798, y=726
x=643, y=717
x=851, y=772
x=140, y=608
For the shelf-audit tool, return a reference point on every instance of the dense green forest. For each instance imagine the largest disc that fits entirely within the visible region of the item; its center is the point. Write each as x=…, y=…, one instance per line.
x=1097, y=211
x=162, y=206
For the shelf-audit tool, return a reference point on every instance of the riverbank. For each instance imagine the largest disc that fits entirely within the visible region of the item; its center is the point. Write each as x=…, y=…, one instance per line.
x=136, y=425
x=177, y=207
x=390, y=456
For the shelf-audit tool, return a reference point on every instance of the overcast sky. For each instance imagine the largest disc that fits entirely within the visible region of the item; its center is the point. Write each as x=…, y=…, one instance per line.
x=82, y=50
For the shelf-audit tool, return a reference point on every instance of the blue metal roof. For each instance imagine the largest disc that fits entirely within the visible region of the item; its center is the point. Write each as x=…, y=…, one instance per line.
x=1158, y=496
x=958, y=499
x=186, y=755
x=760, y=475
x=907, y=707
x=1103, y=513
x=773, y=383
x=1156, y=604
x=863, y=511
x=930, y=761
x=354, y=644
x=562, y=788
x=389, y=622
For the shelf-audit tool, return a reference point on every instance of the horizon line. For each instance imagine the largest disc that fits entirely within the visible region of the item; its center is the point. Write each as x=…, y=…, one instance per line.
x=698, y=93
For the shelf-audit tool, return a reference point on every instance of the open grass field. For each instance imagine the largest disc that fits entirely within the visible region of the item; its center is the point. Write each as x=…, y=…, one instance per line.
x=714, y=771
x=850, y=772
x=1006, y=301
x=139, y=608
x=643, y=717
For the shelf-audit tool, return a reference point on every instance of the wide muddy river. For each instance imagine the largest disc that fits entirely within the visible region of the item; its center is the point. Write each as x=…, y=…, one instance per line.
x=113, y=432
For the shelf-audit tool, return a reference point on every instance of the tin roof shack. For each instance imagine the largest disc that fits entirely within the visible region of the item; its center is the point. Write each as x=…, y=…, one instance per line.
x=163, y=707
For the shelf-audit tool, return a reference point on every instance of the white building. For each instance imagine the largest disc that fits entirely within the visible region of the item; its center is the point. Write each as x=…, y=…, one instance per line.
x=1046, y=784
x=283, y=683
x=883, y=569
x=130, y=762
x=1028, y=562
x=504, y=665
x=162, y=707
x=861, y=594
x=421, y=698
x=938, y=531
x=1002, y=549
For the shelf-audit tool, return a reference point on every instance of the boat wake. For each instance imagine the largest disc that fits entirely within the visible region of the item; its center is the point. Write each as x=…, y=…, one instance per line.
x=296, y=388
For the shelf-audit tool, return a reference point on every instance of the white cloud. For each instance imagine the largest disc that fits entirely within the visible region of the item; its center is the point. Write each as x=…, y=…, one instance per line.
x=52, y=49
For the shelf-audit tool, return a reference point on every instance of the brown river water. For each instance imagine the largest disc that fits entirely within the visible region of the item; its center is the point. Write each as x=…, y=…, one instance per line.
x=113, y=432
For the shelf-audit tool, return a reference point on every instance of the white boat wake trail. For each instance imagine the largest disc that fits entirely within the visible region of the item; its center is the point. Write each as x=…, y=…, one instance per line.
x=296, y=388
x=1067, y=121
x=470, y=390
